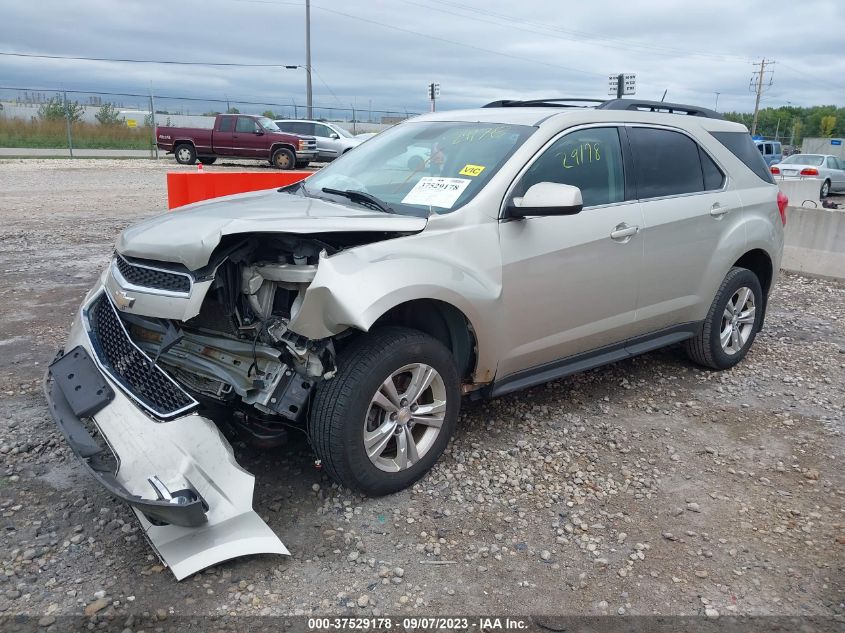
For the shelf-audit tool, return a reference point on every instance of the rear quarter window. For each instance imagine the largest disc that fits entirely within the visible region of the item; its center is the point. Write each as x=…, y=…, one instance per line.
x=740, y=145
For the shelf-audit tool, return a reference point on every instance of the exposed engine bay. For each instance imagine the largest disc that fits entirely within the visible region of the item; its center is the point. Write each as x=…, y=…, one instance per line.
x=238, y=352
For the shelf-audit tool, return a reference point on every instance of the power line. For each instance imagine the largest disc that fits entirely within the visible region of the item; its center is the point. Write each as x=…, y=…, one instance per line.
x=433, y=37
x=568, y=34
x=148, y=61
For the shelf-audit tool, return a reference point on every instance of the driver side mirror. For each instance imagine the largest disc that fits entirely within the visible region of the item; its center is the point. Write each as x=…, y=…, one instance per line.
x=546, y=198
x=334, y=135
x=259, y=131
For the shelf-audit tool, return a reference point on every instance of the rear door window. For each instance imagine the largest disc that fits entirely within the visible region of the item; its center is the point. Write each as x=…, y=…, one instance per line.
x=666, y=163
x=227, y=124
x=713, y=176
x=302, y=128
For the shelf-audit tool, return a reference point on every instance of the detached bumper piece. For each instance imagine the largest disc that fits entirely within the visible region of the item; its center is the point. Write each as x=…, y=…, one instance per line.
x=179, y=475
x=75, y=388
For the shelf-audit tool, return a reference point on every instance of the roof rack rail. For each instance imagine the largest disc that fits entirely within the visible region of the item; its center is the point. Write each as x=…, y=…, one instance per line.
x=556, y=102
x=659, y=106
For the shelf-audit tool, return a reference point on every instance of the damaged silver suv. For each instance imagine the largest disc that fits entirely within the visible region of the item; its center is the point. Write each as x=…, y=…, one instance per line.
x=461, y=254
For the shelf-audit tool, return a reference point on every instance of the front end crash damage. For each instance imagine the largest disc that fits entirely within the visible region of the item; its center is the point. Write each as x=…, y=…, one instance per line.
x=153, y=374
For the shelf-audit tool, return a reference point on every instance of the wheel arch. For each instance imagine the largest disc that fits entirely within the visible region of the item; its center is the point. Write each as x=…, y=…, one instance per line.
x=442, y=321
x=277, y=146
x=759, y=262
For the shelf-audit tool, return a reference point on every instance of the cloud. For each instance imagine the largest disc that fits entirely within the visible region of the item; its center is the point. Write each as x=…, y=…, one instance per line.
x=384, y=52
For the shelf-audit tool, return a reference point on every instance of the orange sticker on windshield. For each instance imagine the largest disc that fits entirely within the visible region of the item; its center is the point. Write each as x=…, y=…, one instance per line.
x=471, y=170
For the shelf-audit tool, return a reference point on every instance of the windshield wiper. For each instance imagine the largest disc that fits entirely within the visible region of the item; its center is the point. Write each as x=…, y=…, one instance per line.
x=360, y=196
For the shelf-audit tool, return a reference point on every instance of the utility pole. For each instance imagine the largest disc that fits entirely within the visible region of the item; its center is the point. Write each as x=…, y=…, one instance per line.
x=67, y=121
x=758, y=80
x=154, y=148
x=716, y=106
x=309, y=102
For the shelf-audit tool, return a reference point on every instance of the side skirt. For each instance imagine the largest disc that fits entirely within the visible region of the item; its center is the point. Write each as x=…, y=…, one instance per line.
x=593, y=358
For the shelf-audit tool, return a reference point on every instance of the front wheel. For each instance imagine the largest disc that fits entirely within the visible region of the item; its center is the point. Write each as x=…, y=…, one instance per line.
x=283, y=159
x=387, y=415
x=825, y=191
x=732, y=322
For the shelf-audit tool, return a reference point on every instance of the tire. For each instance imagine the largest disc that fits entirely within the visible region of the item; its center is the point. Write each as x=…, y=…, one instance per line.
x=302, y=164
x=283, y=159
x=207, y=160
x=185, y=154
x=707, y=347
x=344, y=411
x=825, y=190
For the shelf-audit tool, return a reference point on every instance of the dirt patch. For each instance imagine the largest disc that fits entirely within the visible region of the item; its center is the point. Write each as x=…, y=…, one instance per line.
x=647, y=487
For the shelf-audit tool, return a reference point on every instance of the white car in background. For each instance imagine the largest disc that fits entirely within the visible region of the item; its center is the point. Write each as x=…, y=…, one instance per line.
x=332, y=140
x=827, y=169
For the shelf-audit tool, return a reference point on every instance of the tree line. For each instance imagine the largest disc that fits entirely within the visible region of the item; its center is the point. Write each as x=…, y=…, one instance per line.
x=793, y=123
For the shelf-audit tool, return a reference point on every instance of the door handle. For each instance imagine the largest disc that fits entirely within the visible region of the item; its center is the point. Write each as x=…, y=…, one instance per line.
x=717, y=210
x=622, y=232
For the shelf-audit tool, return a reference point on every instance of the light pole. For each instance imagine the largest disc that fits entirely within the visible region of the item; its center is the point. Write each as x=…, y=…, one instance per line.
x=716, y=107
x=308, y=56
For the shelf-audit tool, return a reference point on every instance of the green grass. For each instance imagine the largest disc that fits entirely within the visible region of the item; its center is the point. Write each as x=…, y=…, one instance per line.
x=53, y=135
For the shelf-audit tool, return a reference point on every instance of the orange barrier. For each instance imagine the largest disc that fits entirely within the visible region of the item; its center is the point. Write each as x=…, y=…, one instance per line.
x=185, y=188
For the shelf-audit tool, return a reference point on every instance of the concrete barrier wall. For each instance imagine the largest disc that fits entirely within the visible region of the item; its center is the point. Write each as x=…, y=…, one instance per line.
x=799, y=191
x=815, y=242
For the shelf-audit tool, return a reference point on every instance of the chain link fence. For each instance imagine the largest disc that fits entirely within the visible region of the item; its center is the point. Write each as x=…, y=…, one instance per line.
x=68, y=119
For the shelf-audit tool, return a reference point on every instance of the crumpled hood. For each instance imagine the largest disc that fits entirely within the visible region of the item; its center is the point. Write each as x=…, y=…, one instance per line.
x=190, y=234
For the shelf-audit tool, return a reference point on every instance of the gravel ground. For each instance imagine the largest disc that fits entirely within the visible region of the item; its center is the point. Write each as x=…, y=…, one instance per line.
x=646, y=487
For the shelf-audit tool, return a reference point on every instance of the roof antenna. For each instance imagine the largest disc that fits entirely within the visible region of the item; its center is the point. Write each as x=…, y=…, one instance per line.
x=663, y=98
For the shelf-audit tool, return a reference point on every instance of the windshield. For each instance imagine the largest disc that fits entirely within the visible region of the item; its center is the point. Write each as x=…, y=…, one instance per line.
x=804, y=159
x=342, y=132
x=423, y=167
x=267, y=124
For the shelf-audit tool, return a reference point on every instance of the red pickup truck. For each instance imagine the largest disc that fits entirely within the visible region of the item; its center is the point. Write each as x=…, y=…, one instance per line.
x=238, y=136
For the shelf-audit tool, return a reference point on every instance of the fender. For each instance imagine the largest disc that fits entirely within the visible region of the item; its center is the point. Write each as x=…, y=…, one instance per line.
x=354, y=288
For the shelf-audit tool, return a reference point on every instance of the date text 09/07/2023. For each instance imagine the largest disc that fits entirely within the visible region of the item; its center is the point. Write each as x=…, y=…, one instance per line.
x=413, y=623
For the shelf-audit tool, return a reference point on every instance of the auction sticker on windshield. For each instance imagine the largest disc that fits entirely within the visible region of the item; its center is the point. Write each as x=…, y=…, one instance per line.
x=436, y=192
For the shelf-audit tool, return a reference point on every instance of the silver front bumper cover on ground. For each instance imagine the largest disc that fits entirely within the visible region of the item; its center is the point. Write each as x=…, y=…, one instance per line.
x=209, y=518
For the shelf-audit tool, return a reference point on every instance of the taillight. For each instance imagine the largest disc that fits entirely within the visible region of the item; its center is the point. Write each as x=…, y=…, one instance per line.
x=783, y=202
x=774, y=169
x=809, y=171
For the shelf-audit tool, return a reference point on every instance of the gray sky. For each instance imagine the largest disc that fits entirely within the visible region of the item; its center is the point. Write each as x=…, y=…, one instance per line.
x=386, y=51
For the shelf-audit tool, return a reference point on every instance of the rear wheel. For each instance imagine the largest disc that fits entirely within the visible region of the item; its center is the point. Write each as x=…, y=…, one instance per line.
x=825, y=190
x=208, y=160
x=387, y=415
x=185, y=154
x=732, y=322
x=283, y=159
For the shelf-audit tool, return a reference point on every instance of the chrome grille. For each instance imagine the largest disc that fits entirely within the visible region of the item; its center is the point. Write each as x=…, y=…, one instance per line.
x=131, y=368
x=153, y=277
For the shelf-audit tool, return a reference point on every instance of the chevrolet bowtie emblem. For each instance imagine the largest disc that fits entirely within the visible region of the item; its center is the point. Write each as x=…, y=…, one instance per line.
x=122, y=300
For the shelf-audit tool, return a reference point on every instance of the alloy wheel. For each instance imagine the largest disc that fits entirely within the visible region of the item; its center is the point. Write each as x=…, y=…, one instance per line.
x=404, y=418
x=737, y=321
